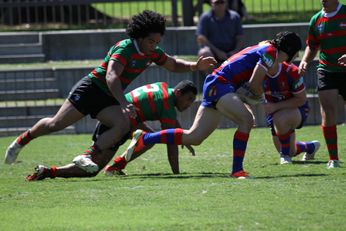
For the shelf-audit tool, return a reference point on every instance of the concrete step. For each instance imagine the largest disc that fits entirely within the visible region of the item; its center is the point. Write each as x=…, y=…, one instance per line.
x=29, y=94
x=17, y=49
x=19, y=121
x=27, y=84
x=30, y=110
x=26, y=73
x=22, y=58
x=19, y=38
x=18, y=130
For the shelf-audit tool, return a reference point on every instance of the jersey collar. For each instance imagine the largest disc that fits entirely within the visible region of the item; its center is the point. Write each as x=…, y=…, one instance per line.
x=331, y=14
x=137, y=47
x=277, y=73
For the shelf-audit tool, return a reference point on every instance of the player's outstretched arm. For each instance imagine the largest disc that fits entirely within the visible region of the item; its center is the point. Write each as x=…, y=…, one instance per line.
x=179, y=65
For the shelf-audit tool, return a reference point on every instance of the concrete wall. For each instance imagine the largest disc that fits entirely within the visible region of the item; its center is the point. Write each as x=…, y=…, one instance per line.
x=94, y=44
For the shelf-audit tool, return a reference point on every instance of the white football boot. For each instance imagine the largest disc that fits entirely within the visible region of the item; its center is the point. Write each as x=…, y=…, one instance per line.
x=311, y=156
x=84, y=162
x=285, y=159
x=333, y=164
x=12, y=152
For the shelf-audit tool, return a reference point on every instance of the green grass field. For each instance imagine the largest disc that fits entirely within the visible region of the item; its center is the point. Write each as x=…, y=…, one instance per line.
x=263, y=11
x=302, y=196
x=119, y=9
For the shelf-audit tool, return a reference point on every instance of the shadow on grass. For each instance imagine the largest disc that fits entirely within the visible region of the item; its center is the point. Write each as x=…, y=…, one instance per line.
x=196, y=176
x=292, y=175
x=180, y=176
x=147, y=176
x=190, y=175
x=308, y=162
x=300, y=162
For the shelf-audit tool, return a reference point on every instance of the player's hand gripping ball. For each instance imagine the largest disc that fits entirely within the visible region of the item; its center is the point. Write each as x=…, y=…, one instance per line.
x=247, y=96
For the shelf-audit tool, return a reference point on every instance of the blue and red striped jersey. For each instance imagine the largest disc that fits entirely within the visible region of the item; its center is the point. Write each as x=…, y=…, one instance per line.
x=284, y=84
x=239, y=67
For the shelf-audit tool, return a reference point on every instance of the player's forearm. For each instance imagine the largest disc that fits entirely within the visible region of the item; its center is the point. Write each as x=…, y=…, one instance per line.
x=293, y=102
x=114, y=86
x=173, y=157
x=181, y=65
x=256, y=80
x=309, y=54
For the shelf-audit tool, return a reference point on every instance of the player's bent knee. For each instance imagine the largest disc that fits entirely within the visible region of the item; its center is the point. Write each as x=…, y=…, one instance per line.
x=247, y=122
x=196, y=141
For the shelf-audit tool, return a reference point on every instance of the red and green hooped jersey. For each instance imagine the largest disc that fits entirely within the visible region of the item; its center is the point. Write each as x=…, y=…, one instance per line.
x=134, y=62
x=328, y=33
x=154, y=102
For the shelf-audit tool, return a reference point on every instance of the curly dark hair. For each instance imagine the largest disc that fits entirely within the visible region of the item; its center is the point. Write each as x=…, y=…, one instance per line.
x=288, y=42
x=186, y=86
x=146, y=23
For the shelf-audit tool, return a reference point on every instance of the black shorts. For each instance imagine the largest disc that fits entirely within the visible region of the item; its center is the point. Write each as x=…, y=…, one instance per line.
x=332, y=80
x=100, y=128
x=88, y=98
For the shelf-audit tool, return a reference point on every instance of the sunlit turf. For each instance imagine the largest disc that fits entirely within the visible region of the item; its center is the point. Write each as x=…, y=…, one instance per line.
x=119, y=9
x=302, y=196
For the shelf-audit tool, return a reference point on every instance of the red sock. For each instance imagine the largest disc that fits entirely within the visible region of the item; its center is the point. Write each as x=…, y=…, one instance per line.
x=92, y=150
x=331, y=138
x=285, y=143
x=24, y=138
x=120, y=162
x=53, y=171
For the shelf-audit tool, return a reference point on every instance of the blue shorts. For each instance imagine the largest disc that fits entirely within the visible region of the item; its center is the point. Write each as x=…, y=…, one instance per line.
x=304, y=112
x=214, y=89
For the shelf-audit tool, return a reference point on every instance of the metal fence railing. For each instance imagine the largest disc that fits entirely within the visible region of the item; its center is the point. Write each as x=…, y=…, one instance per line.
x=71, y=14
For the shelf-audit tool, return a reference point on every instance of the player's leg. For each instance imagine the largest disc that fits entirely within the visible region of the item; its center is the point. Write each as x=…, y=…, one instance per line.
x=233, y=108
x=328, y=105
x=70, y=170
x=284, y=123
x=205, y=123
x=329, y=86
x=120, y=162
x=66, y=116
x=309, y=148
x=118, y=126
x=298, y=147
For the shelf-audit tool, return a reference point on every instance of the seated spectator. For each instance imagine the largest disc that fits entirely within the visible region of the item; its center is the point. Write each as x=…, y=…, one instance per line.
x=219, y=32
x=236, y=5
x=239, y=6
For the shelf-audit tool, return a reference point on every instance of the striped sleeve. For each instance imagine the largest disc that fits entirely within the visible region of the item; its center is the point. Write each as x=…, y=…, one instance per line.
x=159, y=57
x=268, y=57
x=119, y=54
x=312, y=40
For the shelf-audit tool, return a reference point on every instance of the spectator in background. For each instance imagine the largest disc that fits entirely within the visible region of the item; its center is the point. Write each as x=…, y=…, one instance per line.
x=239, y=7
x=327, y=34
x=236, y=5
x=219, y=32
